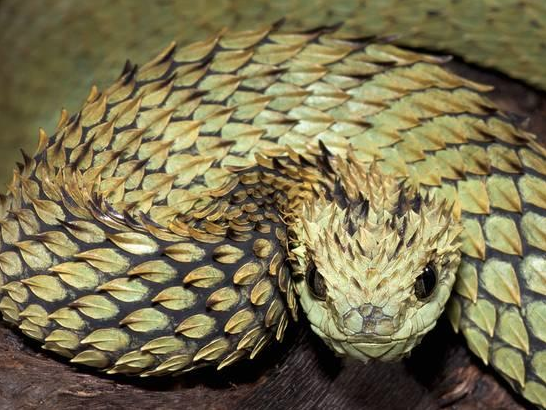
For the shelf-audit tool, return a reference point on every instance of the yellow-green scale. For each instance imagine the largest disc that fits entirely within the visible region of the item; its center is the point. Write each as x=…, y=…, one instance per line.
x=167, y=134
x=134, y=297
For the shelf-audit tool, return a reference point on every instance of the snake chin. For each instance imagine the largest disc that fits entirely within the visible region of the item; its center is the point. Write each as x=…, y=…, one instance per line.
x=374, y=270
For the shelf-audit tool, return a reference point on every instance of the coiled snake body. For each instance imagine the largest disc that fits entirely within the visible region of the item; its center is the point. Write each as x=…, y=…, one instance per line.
x=180, y=218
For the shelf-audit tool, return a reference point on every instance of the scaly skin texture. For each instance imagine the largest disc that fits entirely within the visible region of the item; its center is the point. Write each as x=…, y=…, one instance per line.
x=377, y=263
x=60, y=48
x=185, y=285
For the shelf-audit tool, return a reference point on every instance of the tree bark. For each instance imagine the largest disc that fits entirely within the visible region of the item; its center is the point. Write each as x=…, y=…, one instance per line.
x=301, y=373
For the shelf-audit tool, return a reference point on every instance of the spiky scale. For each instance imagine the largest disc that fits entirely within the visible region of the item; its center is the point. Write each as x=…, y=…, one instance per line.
x=510, y=363
x=536, y=315
x=499, y=279
x=96, y=306
x=477, y=342
x=223, y=299
x=185, y=252
x=145, y=320
x=10, y=263
x=35, y=314
x=175, y=298
x=105, y=260
x=239, y=321
x=93, y=358
x=512, y=330
x=501, y=233
x=467, y=281
x=47, y=288
x=136, y=243
x=116, y=239
x=63, y=338
x=132, y=362
x=196, y=326
x=34, y=254
x=31, y=330
x=107, y=339
x=534, y=272
x=227, y=254
x=154, y=271
x=76, y=274
x=163, y=345
x=484, y=315
x=473, y=242
x=172, y=364
x=261, y=292
x=125, y=289
x=531, y=224
x=204, y=277
x=10, y=309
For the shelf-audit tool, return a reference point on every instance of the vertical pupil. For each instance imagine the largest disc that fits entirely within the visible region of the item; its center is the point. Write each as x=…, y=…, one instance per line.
x=316, y=283
x=425, y=283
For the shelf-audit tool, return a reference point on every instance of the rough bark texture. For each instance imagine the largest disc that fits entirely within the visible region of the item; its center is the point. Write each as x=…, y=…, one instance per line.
x=299, y=374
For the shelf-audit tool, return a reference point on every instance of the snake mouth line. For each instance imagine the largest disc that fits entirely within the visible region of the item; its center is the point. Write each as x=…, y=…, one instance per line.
x=371, y=339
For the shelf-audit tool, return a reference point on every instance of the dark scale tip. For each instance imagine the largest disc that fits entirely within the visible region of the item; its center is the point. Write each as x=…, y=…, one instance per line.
x=278, y=24
x=402, y=204
x=361, y=41
x=360, y=248
x=277, y=164
x=402, y=229
x=168, y=80
x=130, y=75
x=304, y=161
x=168, y=56
x=398, y=247
x=324, y=149
x=26, y=158
x=70, y=225
x=338, y=241
x=111, y=212
x=365, y=208
x=127, y=68
x=324, y=29
x=196, y=94
x=76, y=119
x=338, y=193
x=411, y=240
x=145, y=218
x=204, y=62
x=416, y=203
x=84, y=151
x=131, y=221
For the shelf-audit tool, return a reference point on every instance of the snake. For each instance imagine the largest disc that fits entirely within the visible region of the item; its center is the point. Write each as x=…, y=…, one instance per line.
x=197, y=205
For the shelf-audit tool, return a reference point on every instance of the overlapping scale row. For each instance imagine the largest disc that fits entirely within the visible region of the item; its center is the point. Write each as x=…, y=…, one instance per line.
x=150, y=302
x=70, y=53
x=116, y=290
x=166, y=139
x=499, y=302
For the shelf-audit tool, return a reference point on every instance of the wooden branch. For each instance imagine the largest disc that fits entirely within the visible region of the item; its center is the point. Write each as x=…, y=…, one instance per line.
x=299, y=374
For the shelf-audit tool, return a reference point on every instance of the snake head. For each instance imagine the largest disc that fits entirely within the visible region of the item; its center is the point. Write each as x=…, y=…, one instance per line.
x=374, y=263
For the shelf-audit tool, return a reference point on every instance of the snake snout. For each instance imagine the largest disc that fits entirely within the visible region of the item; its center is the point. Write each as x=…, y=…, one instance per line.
x=369, y=320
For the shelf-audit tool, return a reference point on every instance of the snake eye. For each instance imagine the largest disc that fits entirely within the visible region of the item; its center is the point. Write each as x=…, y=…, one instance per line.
x=426, y=282
x=316, y=283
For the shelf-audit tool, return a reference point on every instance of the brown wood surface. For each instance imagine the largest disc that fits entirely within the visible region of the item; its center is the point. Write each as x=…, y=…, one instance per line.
x=301, y=373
